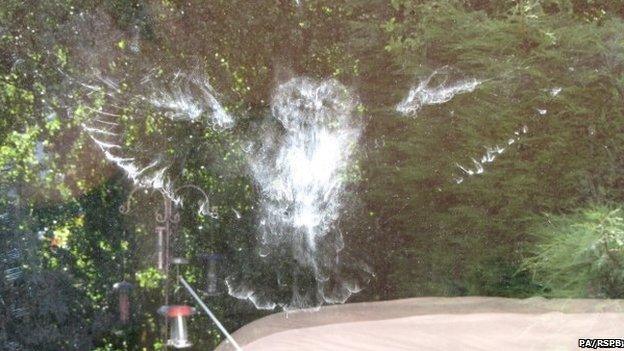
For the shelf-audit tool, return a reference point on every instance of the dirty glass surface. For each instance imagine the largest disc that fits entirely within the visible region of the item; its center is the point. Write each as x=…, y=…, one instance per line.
x=286, y=155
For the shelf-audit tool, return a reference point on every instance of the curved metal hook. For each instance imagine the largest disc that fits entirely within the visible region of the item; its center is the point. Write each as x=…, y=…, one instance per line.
x=161, y=217
x=124, y=208
x=202, y=192
x=192, y=186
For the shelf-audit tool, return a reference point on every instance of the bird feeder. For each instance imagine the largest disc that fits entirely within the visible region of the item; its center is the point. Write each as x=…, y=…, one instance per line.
x=178, y=332
x=123, y=289
x=212, y=266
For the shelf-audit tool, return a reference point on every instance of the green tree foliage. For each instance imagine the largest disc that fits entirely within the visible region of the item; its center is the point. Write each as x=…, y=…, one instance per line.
x=466, y=238
x=580, y=254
